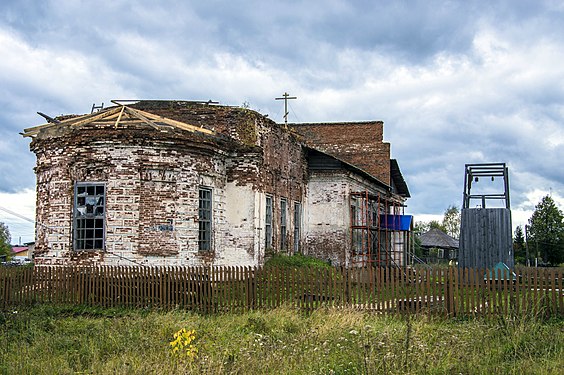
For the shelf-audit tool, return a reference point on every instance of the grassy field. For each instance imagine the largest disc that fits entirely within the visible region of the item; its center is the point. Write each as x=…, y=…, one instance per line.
x=58, y=340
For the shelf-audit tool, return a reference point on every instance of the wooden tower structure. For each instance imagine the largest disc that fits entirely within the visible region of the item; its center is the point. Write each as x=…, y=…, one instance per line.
x=485, y=225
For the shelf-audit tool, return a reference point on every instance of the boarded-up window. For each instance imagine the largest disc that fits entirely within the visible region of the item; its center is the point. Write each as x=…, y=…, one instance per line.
x=89, y=216
x=158, y=205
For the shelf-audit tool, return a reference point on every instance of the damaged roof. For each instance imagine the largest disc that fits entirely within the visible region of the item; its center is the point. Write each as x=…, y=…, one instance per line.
x=118, y=116
x=126, y=122
x=235, y=125
x=358, y=146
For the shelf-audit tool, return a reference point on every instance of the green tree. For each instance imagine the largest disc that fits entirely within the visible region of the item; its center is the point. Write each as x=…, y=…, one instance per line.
x=5, y=238
x=420, y=227
x=546, y=231
x=519, y=250
x=434, y=224
x=451, y=221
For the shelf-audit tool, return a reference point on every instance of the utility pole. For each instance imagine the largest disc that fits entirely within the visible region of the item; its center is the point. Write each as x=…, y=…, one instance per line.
x=286, y=97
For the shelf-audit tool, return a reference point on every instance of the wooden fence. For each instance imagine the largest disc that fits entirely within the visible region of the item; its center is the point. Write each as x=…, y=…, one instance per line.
x=436, y=291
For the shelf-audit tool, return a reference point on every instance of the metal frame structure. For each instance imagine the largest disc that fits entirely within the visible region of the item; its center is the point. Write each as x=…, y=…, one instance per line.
x=372, y=241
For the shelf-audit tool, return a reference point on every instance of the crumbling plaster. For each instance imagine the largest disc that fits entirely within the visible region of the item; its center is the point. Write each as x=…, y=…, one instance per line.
x=152, y=181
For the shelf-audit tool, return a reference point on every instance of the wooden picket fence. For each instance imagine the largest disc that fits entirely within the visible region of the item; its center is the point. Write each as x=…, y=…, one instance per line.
x=433, y=291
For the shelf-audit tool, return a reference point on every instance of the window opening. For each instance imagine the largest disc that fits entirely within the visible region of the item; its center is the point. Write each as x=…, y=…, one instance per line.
x=204, y=219
x=357, y=223
x=89, y=216
x=268, y=223
x=297, y=225
x=283, y=209
x=440, y=253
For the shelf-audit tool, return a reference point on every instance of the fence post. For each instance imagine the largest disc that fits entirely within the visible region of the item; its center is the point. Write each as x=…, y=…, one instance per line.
x=448, y=291
x=249, y=274
x=347, y=285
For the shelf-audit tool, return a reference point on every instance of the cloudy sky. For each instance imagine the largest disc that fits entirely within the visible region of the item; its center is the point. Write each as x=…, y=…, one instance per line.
x=455, y=82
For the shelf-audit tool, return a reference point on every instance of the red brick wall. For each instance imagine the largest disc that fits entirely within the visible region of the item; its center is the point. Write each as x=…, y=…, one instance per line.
x=358, y=143
x=152, y=182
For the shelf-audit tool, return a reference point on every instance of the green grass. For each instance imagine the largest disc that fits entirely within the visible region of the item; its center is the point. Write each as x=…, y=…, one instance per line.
x=59, y=340
x=294, y=261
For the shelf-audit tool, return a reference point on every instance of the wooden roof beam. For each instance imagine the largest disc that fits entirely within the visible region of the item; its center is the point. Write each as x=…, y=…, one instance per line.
x=178, y=124
x=138, y=115
x=117, y=113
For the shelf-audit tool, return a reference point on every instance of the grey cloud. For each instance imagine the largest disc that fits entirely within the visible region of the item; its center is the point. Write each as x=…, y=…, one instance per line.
x=345, y=60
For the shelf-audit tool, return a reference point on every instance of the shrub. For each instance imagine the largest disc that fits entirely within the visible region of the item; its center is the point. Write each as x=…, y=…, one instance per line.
x=294, y=261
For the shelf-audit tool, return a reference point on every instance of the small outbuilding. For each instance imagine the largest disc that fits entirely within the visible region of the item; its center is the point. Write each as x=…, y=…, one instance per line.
x=438, y=246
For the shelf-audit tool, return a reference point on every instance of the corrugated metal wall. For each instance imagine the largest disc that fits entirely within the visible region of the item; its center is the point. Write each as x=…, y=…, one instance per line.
x=485, y=237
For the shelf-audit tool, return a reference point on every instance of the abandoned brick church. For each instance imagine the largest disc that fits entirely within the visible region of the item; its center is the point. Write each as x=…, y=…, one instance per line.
x=192, y=183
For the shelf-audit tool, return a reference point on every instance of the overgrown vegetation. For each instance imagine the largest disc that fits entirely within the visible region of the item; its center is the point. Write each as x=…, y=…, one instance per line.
x=48, y=340
x=5, y=238
x=295, y=261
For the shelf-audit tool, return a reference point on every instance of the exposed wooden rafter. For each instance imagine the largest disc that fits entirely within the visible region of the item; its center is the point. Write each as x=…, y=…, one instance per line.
x=122, y=114
x=119, y=117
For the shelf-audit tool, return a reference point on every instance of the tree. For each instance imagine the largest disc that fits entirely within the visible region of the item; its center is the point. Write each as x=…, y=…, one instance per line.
x=451, y=221
x=434, y=224
x=420, y=227
x=5, y=239
x=546, y=231
x=519, y=250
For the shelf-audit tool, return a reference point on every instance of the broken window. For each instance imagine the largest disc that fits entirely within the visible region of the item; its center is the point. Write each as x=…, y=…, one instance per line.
x=89, y=216
x=268, y=223
x=204, y=219
x=283, y=209
x=297, y=225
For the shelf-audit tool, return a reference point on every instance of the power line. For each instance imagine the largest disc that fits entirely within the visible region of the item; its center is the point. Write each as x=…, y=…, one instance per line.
x=55, y=230
x=17, y=215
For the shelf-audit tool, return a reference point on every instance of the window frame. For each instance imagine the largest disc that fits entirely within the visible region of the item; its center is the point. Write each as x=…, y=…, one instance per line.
x=80, y=220
x=283, y=223
x=268, y=216
x=440, y=253
x=205, y=222
x=297, y=225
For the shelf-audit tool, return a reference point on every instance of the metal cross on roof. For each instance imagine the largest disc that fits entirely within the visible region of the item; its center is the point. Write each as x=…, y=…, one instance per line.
x=286, y=97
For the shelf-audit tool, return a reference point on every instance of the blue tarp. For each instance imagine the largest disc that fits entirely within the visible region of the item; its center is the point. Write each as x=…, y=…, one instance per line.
x=396, y=222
